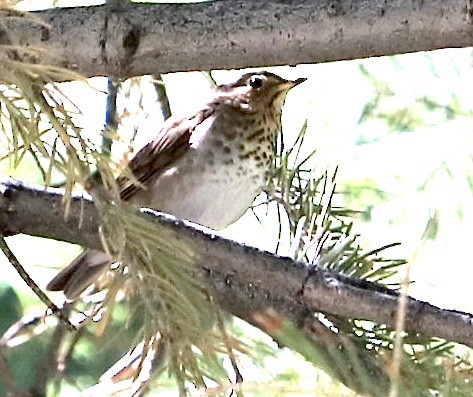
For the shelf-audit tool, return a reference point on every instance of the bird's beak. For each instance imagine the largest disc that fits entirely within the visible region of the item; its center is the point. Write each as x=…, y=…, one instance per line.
x=298, y=81
x=292, y=83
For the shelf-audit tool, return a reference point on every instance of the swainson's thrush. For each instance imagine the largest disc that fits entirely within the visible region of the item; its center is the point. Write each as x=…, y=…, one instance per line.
x=207, y=167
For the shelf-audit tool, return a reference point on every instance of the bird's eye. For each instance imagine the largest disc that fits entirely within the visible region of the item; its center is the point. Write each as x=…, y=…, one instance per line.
x=256, y=82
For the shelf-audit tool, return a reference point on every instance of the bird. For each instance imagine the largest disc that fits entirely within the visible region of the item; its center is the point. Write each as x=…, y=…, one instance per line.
x=206, y=167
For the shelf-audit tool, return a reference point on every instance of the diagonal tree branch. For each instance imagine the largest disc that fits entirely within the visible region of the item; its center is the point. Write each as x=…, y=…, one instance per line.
x=27, y=278
x=127, y=39
x=246, y=281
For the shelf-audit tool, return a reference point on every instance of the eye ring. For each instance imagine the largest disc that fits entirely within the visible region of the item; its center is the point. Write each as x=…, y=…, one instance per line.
x=256, y=82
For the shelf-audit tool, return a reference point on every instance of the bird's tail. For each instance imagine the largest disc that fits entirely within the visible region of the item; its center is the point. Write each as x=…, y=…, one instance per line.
x=83, y=271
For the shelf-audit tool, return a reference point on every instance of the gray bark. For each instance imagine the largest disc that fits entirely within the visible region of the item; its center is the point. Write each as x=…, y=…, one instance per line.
x=129, y=39
x=245, y=280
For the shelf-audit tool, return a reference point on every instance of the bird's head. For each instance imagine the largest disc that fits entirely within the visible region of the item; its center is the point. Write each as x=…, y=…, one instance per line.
x=253, y=91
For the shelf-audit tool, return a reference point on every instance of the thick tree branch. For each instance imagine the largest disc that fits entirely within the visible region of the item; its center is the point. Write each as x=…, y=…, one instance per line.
x=246, y=281
x=128, y=39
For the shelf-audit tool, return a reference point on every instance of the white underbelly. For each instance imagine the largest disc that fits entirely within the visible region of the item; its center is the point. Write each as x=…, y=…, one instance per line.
x=212, y=199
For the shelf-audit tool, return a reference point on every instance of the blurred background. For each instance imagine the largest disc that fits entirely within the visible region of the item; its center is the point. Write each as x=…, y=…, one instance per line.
x=399, y=129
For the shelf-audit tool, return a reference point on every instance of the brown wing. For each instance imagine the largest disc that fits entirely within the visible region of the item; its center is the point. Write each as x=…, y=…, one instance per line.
x=154, y=158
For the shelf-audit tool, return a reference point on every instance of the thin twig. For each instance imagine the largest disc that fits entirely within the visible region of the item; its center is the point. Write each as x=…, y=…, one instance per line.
x=64, y=356
x=231, y=354
x=111, y=122
x=162, y=96
x=49, y=367
x=31, y=283
x=395, y=373
x=38, y=164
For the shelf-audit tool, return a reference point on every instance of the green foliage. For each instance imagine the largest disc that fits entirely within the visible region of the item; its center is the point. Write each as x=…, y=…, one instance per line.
x=324, y=236
x=10, y=309
x=38, y=127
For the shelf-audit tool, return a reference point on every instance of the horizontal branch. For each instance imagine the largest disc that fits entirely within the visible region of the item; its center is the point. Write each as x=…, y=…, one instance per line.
x=246, y=281
x=128, y=39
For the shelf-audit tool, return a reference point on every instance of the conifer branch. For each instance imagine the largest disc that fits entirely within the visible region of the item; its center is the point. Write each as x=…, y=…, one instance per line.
x=247, y=281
